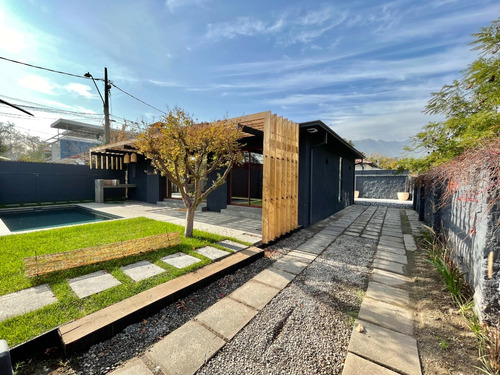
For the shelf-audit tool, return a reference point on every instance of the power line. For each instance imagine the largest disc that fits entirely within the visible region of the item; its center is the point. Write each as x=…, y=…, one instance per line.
x=81, y=76
x=132, y=96
x=47, y=69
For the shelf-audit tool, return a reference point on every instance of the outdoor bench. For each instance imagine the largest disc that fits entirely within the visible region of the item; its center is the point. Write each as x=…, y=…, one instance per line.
x=43, y=264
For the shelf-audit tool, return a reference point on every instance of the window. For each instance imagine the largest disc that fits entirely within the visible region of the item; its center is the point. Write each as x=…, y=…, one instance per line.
x=341, y=183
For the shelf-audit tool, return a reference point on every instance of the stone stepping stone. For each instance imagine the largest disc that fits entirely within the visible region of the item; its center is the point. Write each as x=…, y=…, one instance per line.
x=235, y=246
x=211, y=252
x=386, y=347
x=410, y=242
x=180, y=260
x=185, y=350
x=93, y=283
x=227, y=317
x=386, y=315
x=26, y=300
x=142, y=270
x=355, y=365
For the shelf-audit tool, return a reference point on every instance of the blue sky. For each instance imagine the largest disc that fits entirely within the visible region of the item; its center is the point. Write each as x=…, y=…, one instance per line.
x=366, y=68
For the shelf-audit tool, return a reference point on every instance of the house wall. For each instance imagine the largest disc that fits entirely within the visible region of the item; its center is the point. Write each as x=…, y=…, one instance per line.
x=319, y=171
x=150, y=186
x=25, y=182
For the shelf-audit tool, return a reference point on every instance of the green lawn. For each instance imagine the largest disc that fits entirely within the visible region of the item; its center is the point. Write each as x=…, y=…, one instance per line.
x=14, y=248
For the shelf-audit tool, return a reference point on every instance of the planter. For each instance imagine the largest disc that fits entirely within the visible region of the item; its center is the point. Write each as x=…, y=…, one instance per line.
x=356, y=194
x=402, y=196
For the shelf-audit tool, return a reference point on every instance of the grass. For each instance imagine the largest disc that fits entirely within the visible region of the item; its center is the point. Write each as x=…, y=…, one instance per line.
x=69, y=306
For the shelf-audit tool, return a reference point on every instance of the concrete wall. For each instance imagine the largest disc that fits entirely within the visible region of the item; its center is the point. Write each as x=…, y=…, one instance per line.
x=458, y=220
x=23, y=182
x=380, y=184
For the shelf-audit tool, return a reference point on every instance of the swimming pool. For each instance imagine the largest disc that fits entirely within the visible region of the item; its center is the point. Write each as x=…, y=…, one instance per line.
x=24, y=219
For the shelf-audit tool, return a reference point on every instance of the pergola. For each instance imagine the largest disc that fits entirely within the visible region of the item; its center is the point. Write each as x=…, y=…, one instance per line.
x=280, y=168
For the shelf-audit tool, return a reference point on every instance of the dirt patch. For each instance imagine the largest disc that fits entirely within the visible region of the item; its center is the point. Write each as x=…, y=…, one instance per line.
x=445, y=342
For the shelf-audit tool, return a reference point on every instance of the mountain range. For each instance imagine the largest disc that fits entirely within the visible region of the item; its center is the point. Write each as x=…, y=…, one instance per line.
x=388, y=148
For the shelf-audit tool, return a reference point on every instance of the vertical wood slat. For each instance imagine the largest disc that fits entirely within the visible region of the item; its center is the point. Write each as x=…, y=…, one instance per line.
x=102, y=162
x=266, y=176
x=273, y=204
x=296, y=175
x=279, y=181
x=288, y=198
x=283, y=193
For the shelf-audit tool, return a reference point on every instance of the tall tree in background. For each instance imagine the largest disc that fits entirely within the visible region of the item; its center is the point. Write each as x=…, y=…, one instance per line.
x=187, y=153
x=15, y=145
x=470, y=107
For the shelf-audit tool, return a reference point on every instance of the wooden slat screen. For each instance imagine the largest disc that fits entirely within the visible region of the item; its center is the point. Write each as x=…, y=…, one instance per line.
x=280, y=180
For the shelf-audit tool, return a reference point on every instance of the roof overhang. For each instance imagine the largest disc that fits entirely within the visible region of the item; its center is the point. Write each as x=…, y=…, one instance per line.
x=318, y=124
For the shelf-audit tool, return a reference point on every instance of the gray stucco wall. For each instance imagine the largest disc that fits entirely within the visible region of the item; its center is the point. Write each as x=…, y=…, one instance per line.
x=381, y=184
x=472, y=232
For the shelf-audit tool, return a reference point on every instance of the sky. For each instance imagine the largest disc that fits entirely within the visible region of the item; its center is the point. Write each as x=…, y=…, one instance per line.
x=365, y=68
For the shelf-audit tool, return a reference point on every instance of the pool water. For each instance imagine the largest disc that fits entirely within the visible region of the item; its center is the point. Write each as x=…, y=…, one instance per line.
x=38, y=218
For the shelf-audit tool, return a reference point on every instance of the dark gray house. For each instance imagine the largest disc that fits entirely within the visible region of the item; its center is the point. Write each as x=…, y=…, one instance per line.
x=298, y=174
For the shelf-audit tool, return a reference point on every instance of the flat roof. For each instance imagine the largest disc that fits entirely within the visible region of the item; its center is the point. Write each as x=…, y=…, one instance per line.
x=77, y=126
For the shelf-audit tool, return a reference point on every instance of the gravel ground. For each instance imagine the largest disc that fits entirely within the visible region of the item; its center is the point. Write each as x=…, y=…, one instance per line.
x=306, y=328
x=135, y=339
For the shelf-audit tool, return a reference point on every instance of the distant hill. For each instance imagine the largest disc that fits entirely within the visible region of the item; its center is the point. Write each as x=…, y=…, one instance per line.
x=389, y=148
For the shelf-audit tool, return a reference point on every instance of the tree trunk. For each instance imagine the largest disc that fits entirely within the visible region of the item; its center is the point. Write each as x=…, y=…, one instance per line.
x=188, y=232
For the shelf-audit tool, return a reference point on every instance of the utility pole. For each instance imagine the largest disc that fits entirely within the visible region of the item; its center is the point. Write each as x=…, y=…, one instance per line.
x=107, y=87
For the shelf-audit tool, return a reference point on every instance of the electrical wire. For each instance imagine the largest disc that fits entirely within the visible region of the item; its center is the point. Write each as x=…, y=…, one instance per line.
x=84, y=77
x=132, y=96
x=49, y=70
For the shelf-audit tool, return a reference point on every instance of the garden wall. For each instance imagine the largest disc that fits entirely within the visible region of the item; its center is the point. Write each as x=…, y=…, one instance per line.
x=25, y=182
x=472, y=232
x=380, y=184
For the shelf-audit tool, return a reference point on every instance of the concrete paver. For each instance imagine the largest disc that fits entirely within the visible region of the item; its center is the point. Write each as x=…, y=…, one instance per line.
x=409, y=242
x=211, y=252
x=227, y=317
x=290, y=264
x=254, y=294
x=274, y=277
x=386, y=315
x=302, y=256
x=180, y=260
x=93, y=283
x=388, y=294
x=389, y=278
x=142, y=270
x=235, y=246
x=393, y=257
x=355, y=365
x=133, y=367
x=393, y=249
x=26, y=300
x=180, y=354
x=387, y=347
x=388, y=266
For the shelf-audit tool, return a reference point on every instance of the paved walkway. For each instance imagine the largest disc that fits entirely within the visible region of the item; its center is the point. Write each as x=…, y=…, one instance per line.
x=381, y=342
x=242, y=228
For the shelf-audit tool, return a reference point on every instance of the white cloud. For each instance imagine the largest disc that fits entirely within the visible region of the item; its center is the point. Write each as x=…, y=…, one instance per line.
x=288, y=28
x=245, y=26
x=37, y=83
x=80, y=89
x=12, y=40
